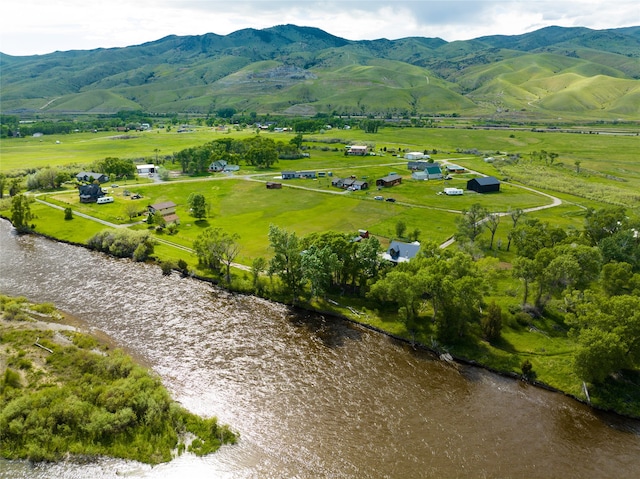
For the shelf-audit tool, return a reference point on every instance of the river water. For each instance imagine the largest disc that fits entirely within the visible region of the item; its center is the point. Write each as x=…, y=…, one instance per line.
x=312, y=396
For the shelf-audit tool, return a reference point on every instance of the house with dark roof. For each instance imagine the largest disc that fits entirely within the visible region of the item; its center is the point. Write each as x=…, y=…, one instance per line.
x=389, y=181
x=401, y=252
x=90, y=193
x=90, y=176
x=484, y=184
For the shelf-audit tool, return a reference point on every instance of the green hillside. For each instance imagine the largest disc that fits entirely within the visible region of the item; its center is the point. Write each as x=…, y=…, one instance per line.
x=287, y=69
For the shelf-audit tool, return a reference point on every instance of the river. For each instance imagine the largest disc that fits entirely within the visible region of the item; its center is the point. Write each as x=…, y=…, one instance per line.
x=312, y=396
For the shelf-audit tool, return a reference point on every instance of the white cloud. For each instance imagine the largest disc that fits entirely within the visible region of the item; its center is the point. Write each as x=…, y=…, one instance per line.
x=37, y=26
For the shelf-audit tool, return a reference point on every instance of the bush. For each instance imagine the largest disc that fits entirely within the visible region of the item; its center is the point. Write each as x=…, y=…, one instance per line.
x=68, y=213
x=123, y=244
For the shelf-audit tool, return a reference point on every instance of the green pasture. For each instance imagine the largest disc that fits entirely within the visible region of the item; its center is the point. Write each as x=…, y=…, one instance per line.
x=85, y=148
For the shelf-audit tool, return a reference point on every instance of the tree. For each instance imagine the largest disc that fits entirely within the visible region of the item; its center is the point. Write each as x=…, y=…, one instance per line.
x=3, y=184
x=401, y=228
x=198, y=205
x=617, y=278
x=68, y=213
x=215, y=248
x=491, y=322
x=117, y=167
x=21, y=213
x=515, y=216
x=131, y=210
x=492, y=222
x=258, y=265
x=318, y=265
x=262, y=153
x=403, y=288
x=604, y=223
x=525, y=269
x=297, y=141
x=608, y=333
x=470, y=224
x=286, y=261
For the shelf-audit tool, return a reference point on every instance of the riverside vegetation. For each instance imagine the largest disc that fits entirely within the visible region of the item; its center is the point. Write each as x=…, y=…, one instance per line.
x=63, y=392
x=551, y=295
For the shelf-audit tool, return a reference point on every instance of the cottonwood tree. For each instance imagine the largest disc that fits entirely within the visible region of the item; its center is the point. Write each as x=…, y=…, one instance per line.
x=470, y=223
x=318, y=265
x=608, y=335
x=21, y=213
x=198, y=205
x=515, y=216
x=287, y=260
x=492, y=222
x=215, y=248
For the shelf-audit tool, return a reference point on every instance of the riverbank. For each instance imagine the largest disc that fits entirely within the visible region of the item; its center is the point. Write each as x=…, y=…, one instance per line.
x=544, y=346
x=67, y=392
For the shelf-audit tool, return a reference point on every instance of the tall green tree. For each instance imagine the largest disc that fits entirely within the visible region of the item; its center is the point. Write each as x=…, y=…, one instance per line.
x=470, y=223
x=492, y=222
x=216, y=248
x=318, y=265
x=21, y=213
x=287, y=260
x=198, y=205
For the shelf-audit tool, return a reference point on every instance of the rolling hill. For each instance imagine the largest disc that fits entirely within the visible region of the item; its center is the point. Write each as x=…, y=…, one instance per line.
x=550, y=72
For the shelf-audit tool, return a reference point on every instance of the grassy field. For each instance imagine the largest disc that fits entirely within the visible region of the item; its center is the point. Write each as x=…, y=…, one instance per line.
x=241, y=204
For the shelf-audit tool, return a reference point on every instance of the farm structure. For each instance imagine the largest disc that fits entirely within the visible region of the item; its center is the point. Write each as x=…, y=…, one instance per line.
x=484, y=184
x=349, y=184
x=290, y=175
x=401, y=252
x=389, y=181
x=146, y=169
x=357, y=150
x=416, y=155
x=425, y=171
x=451, y=168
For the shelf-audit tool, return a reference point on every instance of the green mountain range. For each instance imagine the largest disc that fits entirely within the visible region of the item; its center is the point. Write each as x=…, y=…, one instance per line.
x=552, y=72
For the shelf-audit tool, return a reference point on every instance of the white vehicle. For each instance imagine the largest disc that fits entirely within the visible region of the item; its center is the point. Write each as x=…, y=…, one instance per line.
x=453, y=191
x=105, y=199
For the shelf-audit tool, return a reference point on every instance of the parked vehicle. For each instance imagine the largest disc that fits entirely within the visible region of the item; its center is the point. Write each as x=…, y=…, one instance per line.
x=379, y=198
x=105, y=199
x=391, y=200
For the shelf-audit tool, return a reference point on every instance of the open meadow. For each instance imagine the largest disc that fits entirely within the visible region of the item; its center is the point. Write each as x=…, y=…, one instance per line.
x=587, y=171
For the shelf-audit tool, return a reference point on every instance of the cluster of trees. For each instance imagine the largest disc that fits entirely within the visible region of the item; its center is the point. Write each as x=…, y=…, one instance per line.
x=116, y=167
x=323, y=261
x=123, y=243
x=93, y=404
x=48, y=178
x=255, y=151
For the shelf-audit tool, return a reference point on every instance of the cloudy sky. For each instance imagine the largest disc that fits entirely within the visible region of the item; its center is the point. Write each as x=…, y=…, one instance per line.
x=29, y=27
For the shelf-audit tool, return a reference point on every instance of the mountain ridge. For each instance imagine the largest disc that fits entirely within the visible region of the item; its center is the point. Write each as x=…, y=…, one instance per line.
x=277, y=68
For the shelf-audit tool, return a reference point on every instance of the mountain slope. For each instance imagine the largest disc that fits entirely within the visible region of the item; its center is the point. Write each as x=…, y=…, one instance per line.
x=289, y=68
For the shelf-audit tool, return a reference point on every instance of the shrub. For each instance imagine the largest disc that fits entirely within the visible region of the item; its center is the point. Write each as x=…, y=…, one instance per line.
x=68, y=213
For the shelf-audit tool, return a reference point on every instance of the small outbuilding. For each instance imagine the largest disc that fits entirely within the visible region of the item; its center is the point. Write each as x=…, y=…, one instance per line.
x=484, y=184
